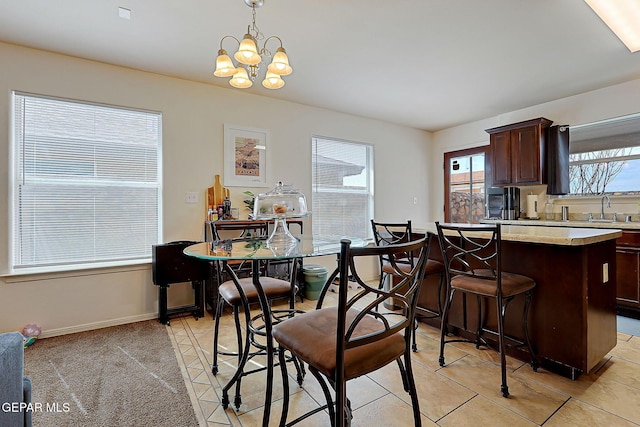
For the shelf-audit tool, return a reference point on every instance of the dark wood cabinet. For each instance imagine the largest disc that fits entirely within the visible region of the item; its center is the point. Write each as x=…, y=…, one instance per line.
x=518, y=153
x=628, y=273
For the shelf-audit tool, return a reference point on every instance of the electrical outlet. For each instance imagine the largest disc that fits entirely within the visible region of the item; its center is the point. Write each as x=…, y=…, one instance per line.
x=605, y=272
x=191, y=197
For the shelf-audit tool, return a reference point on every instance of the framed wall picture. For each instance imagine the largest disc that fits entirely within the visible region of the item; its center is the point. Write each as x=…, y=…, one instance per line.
x=246, y=156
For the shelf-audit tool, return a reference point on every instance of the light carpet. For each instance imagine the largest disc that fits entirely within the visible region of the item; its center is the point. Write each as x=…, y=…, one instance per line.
x=124, y=375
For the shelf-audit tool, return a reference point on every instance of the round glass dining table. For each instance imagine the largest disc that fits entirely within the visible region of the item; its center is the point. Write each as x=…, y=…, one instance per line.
x=249, y=249
x=258, y=250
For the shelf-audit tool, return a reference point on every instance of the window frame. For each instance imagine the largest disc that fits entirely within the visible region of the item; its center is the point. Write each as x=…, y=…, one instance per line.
x=14, y=179
x=602, y=136
x=467, y=152
x=369, y=191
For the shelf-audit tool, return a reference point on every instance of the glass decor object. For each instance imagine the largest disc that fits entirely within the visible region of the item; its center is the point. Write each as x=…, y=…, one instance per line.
x=280, y=204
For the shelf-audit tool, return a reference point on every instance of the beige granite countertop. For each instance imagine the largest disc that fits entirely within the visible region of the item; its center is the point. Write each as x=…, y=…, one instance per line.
x=566, y=236
x=618, y=225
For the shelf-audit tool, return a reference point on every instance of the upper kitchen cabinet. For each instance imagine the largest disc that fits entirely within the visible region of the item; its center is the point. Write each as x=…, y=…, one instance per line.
x=518, y=153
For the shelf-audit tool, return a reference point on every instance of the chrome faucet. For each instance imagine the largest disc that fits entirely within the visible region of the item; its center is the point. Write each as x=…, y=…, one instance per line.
x=606, y=196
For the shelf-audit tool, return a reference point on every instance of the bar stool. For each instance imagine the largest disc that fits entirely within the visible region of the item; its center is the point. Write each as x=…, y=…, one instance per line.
x=394, y=233
x=472, y=254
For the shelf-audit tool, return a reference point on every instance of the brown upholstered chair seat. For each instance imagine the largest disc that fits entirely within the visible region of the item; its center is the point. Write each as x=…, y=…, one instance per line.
x=512, y=284
x=388, y=268
x=432, y=267
x=312, y=336
x=273, y=289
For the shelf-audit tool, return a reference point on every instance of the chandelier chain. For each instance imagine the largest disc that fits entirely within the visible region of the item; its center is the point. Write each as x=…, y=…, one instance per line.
x=257, y=34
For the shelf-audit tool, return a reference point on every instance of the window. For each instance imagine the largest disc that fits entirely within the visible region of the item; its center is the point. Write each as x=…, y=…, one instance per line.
x=605, y=156
x=342, y=175
x=86, y=184
x=464, y=185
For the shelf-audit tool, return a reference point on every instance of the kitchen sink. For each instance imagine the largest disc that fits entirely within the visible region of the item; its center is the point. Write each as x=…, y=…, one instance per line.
x=601, y=220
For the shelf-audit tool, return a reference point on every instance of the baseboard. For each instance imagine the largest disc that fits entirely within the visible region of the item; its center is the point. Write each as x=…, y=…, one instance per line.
x=97, y=325
x=625, y=311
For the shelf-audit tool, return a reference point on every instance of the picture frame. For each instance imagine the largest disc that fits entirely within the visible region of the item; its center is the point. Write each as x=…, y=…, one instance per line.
x=246, y=156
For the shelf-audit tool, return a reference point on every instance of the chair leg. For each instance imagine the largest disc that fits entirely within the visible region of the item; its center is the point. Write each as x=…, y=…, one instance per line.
x=236, y=315
x=440, y=283
x=342, y=411
x=443, y=327
x=525, y=326
x=381, y=281
x=412, y=389
x=504, y=388
x=243, y=356
x=414, y=346
x=403, y=374
x=327, y=394
x=285, y=385
x=216, y=329
x=299, y=364
x=480, y=321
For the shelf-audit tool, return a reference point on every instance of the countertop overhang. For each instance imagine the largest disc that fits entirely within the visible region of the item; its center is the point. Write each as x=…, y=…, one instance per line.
x=571, y=223
x=564, y=236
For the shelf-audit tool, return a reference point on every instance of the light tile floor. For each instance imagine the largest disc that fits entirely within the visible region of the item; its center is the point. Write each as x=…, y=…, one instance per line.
x=464, y=392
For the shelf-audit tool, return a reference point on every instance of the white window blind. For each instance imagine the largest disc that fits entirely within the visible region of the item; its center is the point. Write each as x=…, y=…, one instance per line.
x=342, y=202
x=86, y=186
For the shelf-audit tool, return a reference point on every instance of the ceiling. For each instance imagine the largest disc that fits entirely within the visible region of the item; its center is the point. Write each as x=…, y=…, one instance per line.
x=428, y=64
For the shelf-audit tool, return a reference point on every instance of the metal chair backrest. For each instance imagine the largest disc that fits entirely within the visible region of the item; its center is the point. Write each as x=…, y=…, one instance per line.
x=471, y=250
x=239, y=230
x=367, y=300
x=221, y=230
x=390, y=234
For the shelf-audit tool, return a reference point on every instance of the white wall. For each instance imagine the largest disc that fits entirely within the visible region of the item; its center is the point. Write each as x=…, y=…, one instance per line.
x=612, y=101
x=193, y=118
x=408, y=164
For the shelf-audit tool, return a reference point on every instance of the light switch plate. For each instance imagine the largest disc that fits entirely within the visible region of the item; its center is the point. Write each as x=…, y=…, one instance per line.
x=191, y=197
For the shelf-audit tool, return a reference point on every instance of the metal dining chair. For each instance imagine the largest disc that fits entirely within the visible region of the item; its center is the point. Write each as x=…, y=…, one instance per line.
x=228, y=293
x=358, y=336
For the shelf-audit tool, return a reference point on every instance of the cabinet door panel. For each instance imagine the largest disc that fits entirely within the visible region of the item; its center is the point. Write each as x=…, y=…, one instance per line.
x=501, y=155
x=627, y=279
x=526, y=155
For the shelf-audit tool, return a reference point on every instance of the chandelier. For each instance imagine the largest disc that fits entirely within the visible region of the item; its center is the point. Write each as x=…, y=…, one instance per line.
x=249, y=58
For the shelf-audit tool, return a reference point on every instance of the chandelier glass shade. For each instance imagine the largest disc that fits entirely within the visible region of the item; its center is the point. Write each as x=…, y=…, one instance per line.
x=249, y=57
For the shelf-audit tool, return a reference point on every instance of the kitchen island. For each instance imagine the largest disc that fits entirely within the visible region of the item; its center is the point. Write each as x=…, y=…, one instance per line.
x=573, y=311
